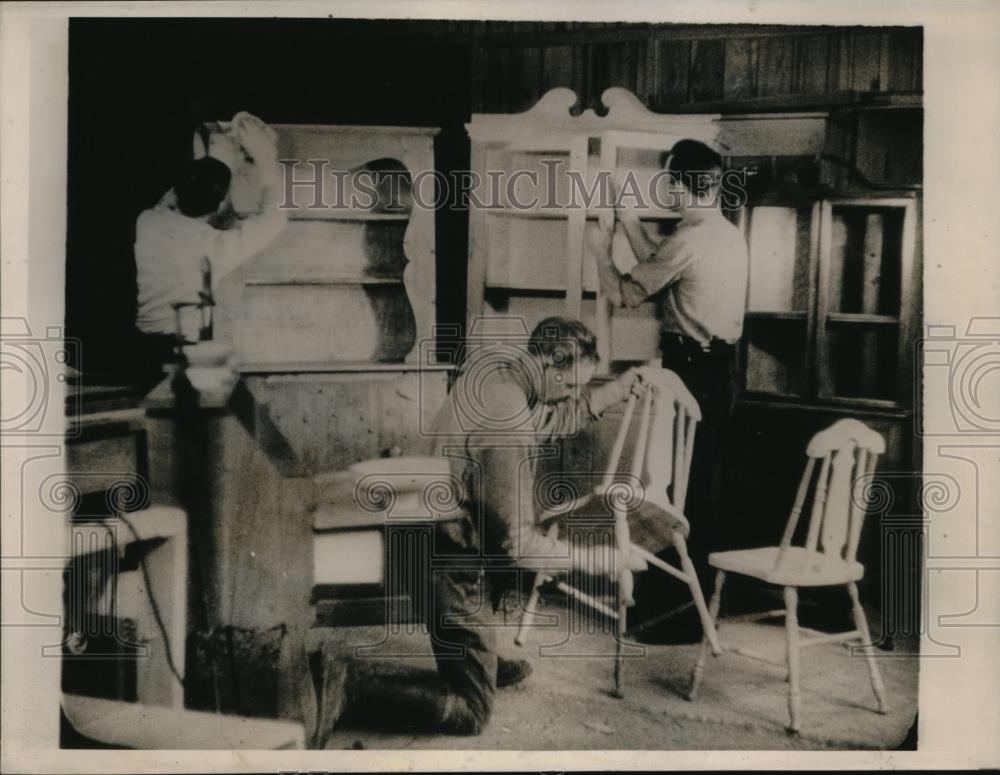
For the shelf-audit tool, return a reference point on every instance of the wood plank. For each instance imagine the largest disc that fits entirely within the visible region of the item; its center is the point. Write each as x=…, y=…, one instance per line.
x=99, y=464
x=595, y=74
x=575, y=237
x=531, y=76
x=292, y=323
x=581, y=73
x=776, y=60
x=478, y=244
x=872, y=264
x=740, y=79
x=902, y=60
x=557, y=67
x=812, y=56
x=505, y=96
x=673, y=72
x=707, y=70
x=839, y=66
x=866, y=63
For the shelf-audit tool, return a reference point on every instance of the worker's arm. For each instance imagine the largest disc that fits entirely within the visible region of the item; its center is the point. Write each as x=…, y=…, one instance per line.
x=643, y=246
x=507, y=494
x=565, y=418
x=655, y=271
x=256, y=232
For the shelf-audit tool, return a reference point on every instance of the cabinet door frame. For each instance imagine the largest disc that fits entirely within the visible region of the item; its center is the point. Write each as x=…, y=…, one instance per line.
x=818, y=377
x=612, y=141
x=814, y=275
x=823, y=389
x=576, y=148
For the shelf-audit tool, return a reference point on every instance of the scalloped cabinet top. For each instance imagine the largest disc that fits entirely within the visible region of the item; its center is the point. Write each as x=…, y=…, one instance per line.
x=763, y=134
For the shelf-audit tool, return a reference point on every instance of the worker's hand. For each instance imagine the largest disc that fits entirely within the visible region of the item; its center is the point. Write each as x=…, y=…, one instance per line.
x=616, y=391
x=617, y=182
x=599, y=239
x=633, y=383
x=257, y=139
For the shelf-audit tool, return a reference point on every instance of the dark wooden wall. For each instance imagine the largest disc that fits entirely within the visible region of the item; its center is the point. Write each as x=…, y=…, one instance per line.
x=700, y=68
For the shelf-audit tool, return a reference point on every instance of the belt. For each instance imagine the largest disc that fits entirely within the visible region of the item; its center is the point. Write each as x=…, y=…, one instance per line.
x=689, y=343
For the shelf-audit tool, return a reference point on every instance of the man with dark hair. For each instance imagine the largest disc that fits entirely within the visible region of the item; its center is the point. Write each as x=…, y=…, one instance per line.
x=505, y=402
x=178, y=240
x=698, y=275
x=202, y=186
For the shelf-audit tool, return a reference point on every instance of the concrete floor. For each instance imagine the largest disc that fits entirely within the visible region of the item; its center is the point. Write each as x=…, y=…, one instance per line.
x=566, y=703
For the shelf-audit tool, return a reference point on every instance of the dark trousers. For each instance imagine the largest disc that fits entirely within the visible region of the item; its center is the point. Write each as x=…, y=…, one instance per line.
x=711, y=377
x=463, y=638
x=151, y=352
x=459, y=618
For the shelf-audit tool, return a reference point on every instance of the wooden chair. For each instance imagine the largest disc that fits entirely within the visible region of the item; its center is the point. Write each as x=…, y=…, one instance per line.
x=657, y=520
x=846, y=450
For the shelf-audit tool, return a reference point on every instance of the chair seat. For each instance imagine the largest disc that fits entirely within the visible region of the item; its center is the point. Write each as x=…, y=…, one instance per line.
x=799, y=568
x=651, y=526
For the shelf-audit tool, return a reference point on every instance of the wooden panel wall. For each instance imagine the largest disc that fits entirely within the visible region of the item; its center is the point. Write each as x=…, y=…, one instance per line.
x=685, y=68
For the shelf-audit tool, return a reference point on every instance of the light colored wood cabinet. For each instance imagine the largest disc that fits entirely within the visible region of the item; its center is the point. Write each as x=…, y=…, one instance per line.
x=534, y=225
x=352, y=277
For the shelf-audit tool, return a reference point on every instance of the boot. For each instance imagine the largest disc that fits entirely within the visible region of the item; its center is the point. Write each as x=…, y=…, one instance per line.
x=412, y=702
x=512, y=671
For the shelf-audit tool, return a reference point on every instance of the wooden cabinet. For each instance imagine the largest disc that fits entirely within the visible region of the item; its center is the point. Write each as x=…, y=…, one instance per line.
x=833, y=316
x=832, y=301
x=534, y=222
x=352, y=277
x=532, y=245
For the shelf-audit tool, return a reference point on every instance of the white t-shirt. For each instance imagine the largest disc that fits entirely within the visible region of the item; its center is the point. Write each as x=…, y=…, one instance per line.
x=703, y=266
x=169, y=247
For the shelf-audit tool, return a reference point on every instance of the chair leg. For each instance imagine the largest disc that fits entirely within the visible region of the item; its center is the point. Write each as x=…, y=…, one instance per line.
x=529, y=609
x=619, y=690
x=861, y=624
x=708, y=625
x=713, y=611
x=792, y=645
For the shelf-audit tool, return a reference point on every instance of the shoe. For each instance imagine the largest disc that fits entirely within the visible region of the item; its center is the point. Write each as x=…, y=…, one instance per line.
x=512, y=671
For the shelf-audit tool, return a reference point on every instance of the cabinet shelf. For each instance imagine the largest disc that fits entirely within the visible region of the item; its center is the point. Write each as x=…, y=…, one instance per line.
x=779, y=400
x=847, y=317
x=776, y=315
x=266, y=281
x=534, y=290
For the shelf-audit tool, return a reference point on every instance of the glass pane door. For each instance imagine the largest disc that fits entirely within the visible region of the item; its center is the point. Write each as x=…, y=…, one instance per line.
x=782, y=245
x=864, y=244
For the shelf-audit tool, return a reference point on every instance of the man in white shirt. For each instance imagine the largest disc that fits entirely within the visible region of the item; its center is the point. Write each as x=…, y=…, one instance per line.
x=698, y=275
x=174, y=238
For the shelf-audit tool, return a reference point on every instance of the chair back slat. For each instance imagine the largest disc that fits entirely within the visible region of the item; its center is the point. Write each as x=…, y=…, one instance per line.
x=619, y=445
x=680, y=490
x=849, y=449
x=667, y=464
x=642, y=442
x=793, y=518
x=833, y=533
x=819, y=503
x=677, y=453
x=866, y=467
